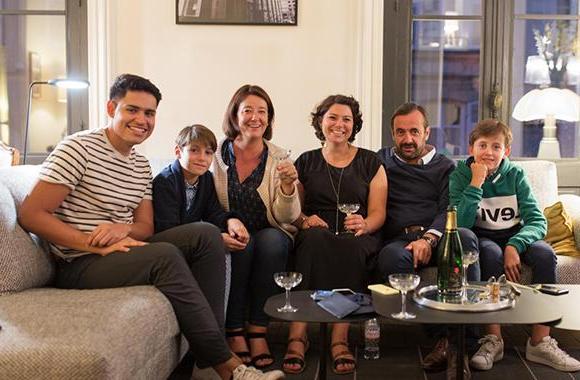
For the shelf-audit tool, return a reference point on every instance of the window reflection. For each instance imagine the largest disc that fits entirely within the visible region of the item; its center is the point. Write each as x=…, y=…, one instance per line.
x=445, y=79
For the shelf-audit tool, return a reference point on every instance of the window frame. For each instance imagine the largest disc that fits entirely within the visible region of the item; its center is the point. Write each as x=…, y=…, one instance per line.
x=75, y=14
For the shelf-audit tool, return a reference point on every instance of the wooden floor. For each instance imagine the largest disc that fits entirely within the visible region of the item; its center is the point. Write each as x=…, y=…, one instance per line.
x=402, y=349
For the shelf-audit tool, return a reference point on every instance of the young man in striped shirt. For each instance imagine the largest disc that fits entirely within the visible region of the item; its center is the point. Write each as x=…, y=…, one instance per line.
x=93, y=204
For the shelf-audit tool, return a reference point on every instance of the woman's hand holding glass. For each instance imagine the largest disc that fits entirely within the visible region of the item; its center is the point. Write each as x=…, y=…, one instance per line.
x=356, y=224
x=288, y=175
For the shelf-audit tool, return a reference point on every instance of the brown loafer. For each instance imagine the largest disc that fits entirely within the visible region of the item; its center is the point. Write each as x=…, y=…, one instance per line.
x=436, y=360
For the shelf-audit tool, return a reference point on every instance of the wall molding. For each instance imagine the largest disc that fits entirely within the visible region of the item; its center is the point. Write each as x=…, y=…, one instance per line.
x=100, y=57
x=369, y=71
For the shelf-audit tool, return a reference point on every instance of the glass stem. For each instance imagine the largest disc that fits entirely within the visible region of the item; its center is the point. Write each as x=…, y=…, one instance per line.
x=287, y=298
x=465, y=275
x=403, y=303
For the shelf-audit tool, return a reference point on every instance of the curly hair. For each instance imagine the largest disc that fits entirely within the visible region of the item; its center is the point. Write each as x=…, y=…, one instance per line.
x=325, y=105
x=230, y=123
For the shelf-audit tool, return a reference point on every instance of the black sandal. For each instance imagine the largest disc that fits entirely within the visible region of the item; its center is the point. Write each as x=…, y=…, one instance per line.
x=244, y=356
x=297, y=359
x=260, y=357
x=340, y=358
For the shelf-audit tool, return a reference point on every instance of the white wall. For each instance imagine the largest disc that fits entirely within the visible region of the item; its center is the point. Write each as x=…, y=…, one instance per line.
x=198, y=67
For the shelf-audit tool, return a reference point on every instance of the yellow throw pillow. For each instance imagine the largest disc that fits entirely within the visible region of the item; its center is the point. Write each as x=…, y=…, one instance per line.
x=560, y=231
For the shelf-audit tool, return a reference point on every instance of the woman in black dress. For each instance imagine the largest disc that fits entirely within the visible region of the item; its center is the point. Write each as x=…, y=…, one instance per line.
x=326, y=255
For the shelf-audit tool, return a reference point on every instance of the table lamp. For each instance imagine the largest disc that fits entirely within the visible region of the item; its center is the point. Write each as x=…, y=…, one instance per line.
x=548, y=104
x=62, y=83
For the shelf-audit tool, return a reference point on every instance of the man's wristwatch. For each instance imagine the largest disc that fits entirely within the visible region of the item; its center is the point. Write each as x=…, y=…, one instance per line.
x=430, y=239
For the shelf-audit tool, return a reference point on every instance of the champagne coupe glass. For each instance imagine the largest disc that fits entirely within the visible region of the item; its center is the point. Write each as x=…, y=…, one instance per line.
x=280, y=156
x=287, y=280
x=404, y=282
x=348, y=208
x=468, y=258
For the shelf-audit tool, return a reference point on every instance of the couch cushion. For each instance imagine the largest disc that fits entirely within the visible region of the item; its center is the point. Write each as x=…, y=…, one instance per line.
x=572, y=205
x=560, y=230
x=24, y=259
x=543, y=178
x=124, y=333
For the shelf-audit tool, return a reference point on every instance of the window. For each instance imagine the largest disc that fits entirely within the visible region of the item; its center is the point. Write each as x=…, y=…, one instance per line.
x=466, y=60
x=41, y=40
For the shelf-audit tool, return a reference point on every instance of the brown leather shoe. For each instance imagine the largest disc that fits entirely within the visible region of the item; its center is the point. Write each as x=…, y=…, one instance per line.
x=436, y=360
x=452, y=366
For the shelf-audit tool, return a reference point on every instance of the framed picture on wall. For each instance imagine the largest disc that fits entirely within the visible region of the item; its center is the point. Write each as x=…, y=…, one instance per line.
x=236, y=12
x=34, y=72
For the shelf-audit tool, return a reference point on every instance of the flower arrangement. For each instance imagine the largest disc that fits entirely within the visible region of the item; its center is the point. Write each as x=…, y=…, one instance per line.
x=556, y=45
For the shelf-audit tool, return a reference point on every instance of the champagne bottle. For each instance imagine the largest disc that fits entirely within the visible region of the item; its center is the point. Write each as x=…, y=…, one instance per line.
x=449, y=261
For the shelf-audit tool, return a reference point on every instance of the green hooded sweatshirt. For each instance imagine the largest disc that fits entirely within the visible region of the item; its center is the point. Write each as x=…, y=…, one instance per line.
x=503, y=209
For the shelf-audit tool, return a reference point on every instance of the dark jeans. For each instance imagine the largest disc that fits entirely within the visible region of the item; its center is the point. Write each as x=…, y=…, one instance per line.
x=539, y=255
x=394, y=258
x=187, y=264
x=253, y=277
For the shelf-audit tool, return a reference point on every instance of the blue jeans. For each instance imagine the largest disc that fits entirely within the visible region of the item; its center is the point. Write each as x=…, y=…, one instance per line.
x=539, y=255
x=253, y=277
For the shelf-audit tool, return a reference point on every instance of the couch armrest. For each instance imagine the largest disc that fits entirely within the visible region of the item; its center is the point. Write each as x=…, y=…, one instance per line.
x=571, y=204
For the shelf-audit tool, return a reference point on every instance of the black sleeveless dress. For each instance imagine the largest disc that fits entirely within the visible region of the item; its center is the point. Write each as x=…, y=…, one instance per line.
x=327, y=260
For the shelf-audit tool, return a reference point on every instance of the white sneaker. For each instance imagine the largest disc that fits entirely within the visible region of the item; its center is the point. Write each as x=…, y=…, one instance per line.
x=243, y=372
x=490, y=351
x=547, y=352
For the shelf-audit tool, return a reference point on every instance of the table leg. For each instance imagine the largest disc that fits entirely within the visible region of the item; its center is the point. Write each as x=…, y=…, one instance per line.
x=460, y=351
x=323, y=350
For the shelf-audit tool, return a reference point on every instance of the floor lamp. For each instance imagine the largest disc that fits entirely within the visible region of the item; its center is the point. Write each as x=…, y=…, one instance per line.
x=548, y=104
x=62, y=83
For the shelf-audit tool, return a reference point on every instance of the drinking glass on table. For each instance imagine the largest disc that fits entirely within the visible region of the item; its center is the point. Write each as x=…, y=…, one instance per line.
x=404, y=282
x=468, y=258
x=348, y=209
x=287, y=280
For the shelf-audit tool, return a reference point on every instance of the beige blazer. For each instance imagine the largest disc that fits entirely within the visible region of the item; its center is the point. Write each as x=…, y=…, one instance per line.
x=281, y=209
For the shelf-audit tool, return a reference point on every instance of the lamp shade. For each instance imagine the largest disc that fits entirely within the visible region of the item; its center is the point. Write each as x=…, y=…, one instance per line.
x=562, y=104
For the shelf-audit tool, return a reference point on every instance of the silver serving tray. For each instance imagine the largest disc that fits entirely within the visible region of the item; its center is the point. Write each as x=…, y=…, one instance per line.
x=428, y=296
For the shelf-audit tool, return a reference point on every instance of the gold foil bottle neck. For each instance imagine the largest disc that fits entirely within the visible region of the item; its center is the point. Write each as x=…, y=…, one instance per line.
x=451, y=223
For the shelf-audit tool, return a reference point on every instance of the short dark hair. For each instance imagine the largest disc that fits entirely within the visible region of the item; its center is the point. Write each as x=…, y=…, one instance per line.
x=491, y=127
x=131, y=82
x=196, y=133
x=407, y=108
x=230, y=123
x=325, y=105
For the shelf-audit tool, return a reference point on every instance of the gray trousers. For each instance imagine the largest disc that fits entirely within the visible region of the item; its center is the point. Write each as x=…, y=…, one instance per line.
x=187, y=264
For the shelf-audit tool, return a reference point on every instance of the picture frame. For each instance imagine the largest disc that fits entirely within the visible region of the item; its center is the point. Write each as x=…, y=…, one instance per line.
x=35, y=73
x=237, y=12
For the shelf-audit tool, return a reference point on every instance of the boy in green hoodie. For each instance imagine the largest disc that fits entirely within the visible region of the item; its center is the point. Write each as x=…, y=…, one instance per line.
x=494, y=199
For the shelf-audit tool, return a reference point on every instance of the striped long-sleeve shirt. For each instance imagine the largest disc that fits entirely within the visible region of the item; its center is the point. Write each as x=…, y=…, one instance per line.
x=105, y=186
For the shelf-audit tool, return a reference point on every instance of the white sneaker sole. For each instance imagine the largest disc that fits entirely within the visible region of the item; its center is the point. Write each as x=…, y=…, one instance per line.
x=485, y=367
x=559, y=367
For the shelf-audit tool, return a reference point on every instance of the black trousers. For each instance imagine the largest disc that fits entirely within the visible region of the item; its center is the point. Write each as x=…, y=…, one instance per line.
x=187, y=264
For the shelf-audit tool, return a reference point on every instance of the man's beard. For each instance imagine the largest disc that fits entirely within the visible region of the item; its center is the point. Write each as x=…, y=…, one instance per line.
x=409, y=156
